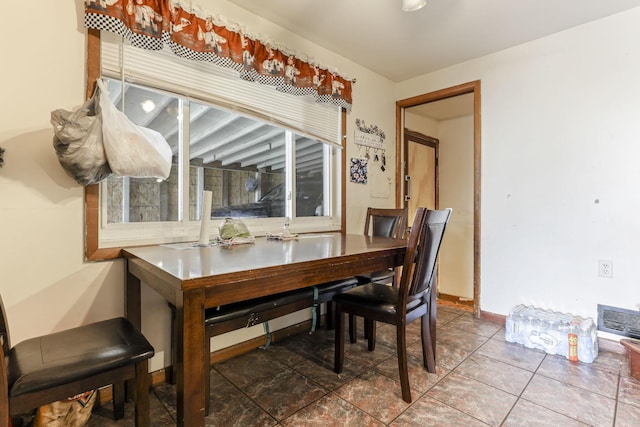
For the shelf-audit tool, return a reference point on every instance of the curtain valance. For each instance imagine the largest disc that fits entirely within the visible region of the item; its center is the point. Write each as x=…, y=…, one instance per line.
x=154, y=24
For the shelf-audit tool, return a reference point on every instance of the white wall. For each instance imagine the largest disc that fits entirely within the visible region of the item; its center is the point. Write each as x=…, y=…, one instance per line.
x=560, y=134
x=456, y=192
x=46, y=285
x=424, y=125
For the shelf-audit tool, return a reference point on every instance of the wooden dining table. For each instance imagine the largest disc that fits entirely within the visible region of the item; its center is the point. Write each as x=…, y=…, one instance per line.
x=194, y=278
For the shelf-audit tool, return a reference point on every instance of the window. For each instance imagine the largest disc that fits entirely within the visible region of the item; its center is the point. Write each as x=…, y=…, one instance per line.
x=253, y=157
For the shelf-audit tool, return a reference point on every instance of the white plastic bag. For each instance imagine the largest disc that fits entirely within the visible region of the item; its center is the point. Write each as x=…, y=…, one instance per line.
x=78, y=142
x=132, y=150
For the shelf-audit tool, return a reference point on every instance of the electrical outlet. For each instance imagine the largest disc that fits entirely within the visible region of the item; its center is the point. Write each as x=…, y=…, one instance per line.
x=605, y=268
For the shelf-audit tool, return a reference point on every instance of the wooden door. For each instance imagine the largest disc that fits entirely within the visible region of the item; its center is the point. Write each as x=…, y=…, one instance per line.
x=421, y=172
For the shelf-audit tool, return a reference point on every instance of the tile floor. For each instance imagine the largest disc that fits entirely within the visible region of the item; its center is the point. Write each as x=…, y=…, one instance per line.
x=481, y=380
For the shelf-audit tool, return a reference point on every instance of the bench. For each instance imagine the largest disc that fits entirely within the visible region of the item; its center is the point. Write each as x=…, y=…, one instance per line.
x=227, y=318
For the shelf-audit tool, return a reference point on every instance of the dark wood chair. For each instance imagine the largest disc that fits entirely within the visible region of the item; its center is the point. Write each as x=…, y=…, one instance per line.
x=413, y=299
x=54, y=367
x=384, y=222
x=381, y=222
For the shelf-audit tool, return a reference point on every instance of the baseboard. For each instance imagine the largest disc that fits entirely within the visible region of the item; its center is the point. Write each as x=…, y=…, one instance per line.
x=250, y=345
x=456, y=300
x=493, y=317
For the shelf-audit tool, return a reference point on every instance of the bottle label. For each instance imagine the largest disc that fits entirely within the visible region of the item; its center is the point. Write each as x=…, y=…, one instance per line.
x=573, y=347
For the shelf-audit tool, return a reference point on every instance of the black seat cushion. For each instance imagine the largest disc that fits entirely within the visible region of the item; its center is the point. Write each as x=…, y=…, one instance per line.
x=374, y=296
x=60, y=358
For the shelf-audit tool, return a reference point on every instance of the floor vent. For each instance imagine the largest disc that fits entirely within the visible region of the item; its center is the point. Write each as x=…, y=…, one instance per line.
x=619, y=321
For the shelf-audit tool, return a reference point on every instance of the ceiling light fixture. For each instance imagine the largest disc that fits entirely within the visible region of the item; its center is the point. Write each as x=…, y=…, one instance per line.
x=413, y=5
x=148, y=106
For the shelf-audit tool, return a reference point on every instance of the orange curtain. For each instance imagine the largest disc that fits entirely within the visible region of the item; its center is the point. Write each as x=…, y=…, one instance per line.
x=152, y=24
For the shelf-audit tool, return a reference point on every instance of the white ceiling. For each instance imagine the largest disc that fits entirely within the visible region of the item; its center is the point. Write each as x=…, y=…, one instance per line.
x=378, y=35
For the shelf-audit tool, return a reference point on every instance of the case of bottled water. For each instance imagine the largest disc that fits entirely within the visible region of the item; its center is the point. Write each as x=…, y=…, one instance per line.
x=564, y=334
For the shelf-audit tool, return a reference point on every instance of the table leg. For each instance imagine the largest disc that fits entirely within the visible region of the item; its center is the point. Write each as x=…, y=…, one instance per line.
x=190, y=387
x=133, y=301
x=133, y=312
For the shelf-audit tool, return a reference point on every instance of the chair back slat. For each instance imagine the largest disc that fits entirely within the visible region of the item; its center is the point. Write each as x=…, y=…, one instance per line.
x=382, y=222
x=423, y=247
x=4, y=390
x=4, y=376
x=4, y=329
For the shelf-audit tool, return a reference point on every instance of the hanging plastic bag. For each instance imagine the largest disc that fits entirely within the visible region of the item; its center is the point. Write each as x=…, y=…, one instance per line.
x=78, y=142
x=132, y=150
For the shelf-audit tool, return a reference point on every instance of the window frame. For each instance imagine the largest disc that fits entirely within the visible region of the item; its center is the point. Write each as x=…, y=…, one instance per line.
x=93, y=251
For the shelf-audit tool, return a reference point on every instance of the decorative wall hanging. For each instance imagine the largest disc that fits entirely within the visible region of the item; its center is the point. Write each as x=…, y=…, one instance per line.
x=154, y=24
x=371, y=140
x=358, y=170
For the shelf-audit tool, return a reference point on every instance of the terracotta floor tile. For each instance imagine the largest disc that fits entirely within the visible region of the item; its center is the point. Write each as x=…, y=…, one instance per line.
x=376, y=395
x=474, y=398
x=480, y=380
x=583, y=375
x=328, y=411
x=526, y=413
x=574, y=402
x=430, y=412
x=284, y=393
x=513, y=354
x=495, y=373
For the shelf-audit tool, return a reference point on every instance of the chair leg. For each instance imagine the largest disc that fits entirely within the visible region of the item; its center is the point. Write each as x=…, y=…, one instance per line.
x=401, y=340
x=142, y=408
x=174, y=350
x=367, y=330
x=353, y=329
x=370, y=333
x=428, y=347
x=207, y=375
x=432, y=330
x=331, y=313
x=339, y=341
x=433, y=307
x=118, y=400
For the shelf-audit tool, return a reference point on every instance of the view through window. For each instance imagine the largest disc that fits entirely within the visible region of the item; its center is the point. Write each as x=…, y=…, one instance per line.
x=243, y=161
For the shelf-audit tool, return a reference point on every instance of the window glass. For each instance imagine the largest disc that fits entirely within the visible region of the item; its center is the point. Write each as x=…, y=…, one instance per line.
x=241, y=160
x=310, y=165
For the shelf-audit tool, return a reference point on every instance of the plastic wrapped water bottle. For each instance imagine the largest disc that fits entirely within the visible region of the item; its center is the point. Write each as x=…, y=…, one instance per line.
x=556, y=333
x=563, y=336
x=514, y=326
x=587, y=341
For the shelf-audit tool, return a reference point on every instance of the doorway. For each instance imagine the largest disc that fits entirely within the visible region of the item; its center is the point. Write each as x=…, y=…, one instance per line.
x=471, y=90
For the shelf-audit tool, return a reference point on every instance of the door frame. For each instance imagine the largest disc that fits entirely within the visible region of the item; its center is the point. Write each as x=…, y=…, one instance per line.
x=461, y=89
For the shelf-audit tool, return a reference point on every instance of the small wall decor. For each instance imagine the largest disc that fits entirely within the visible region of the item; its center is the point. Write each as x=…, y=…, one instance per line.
x=359, y=170
x=371, y=140
x=1, y=157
